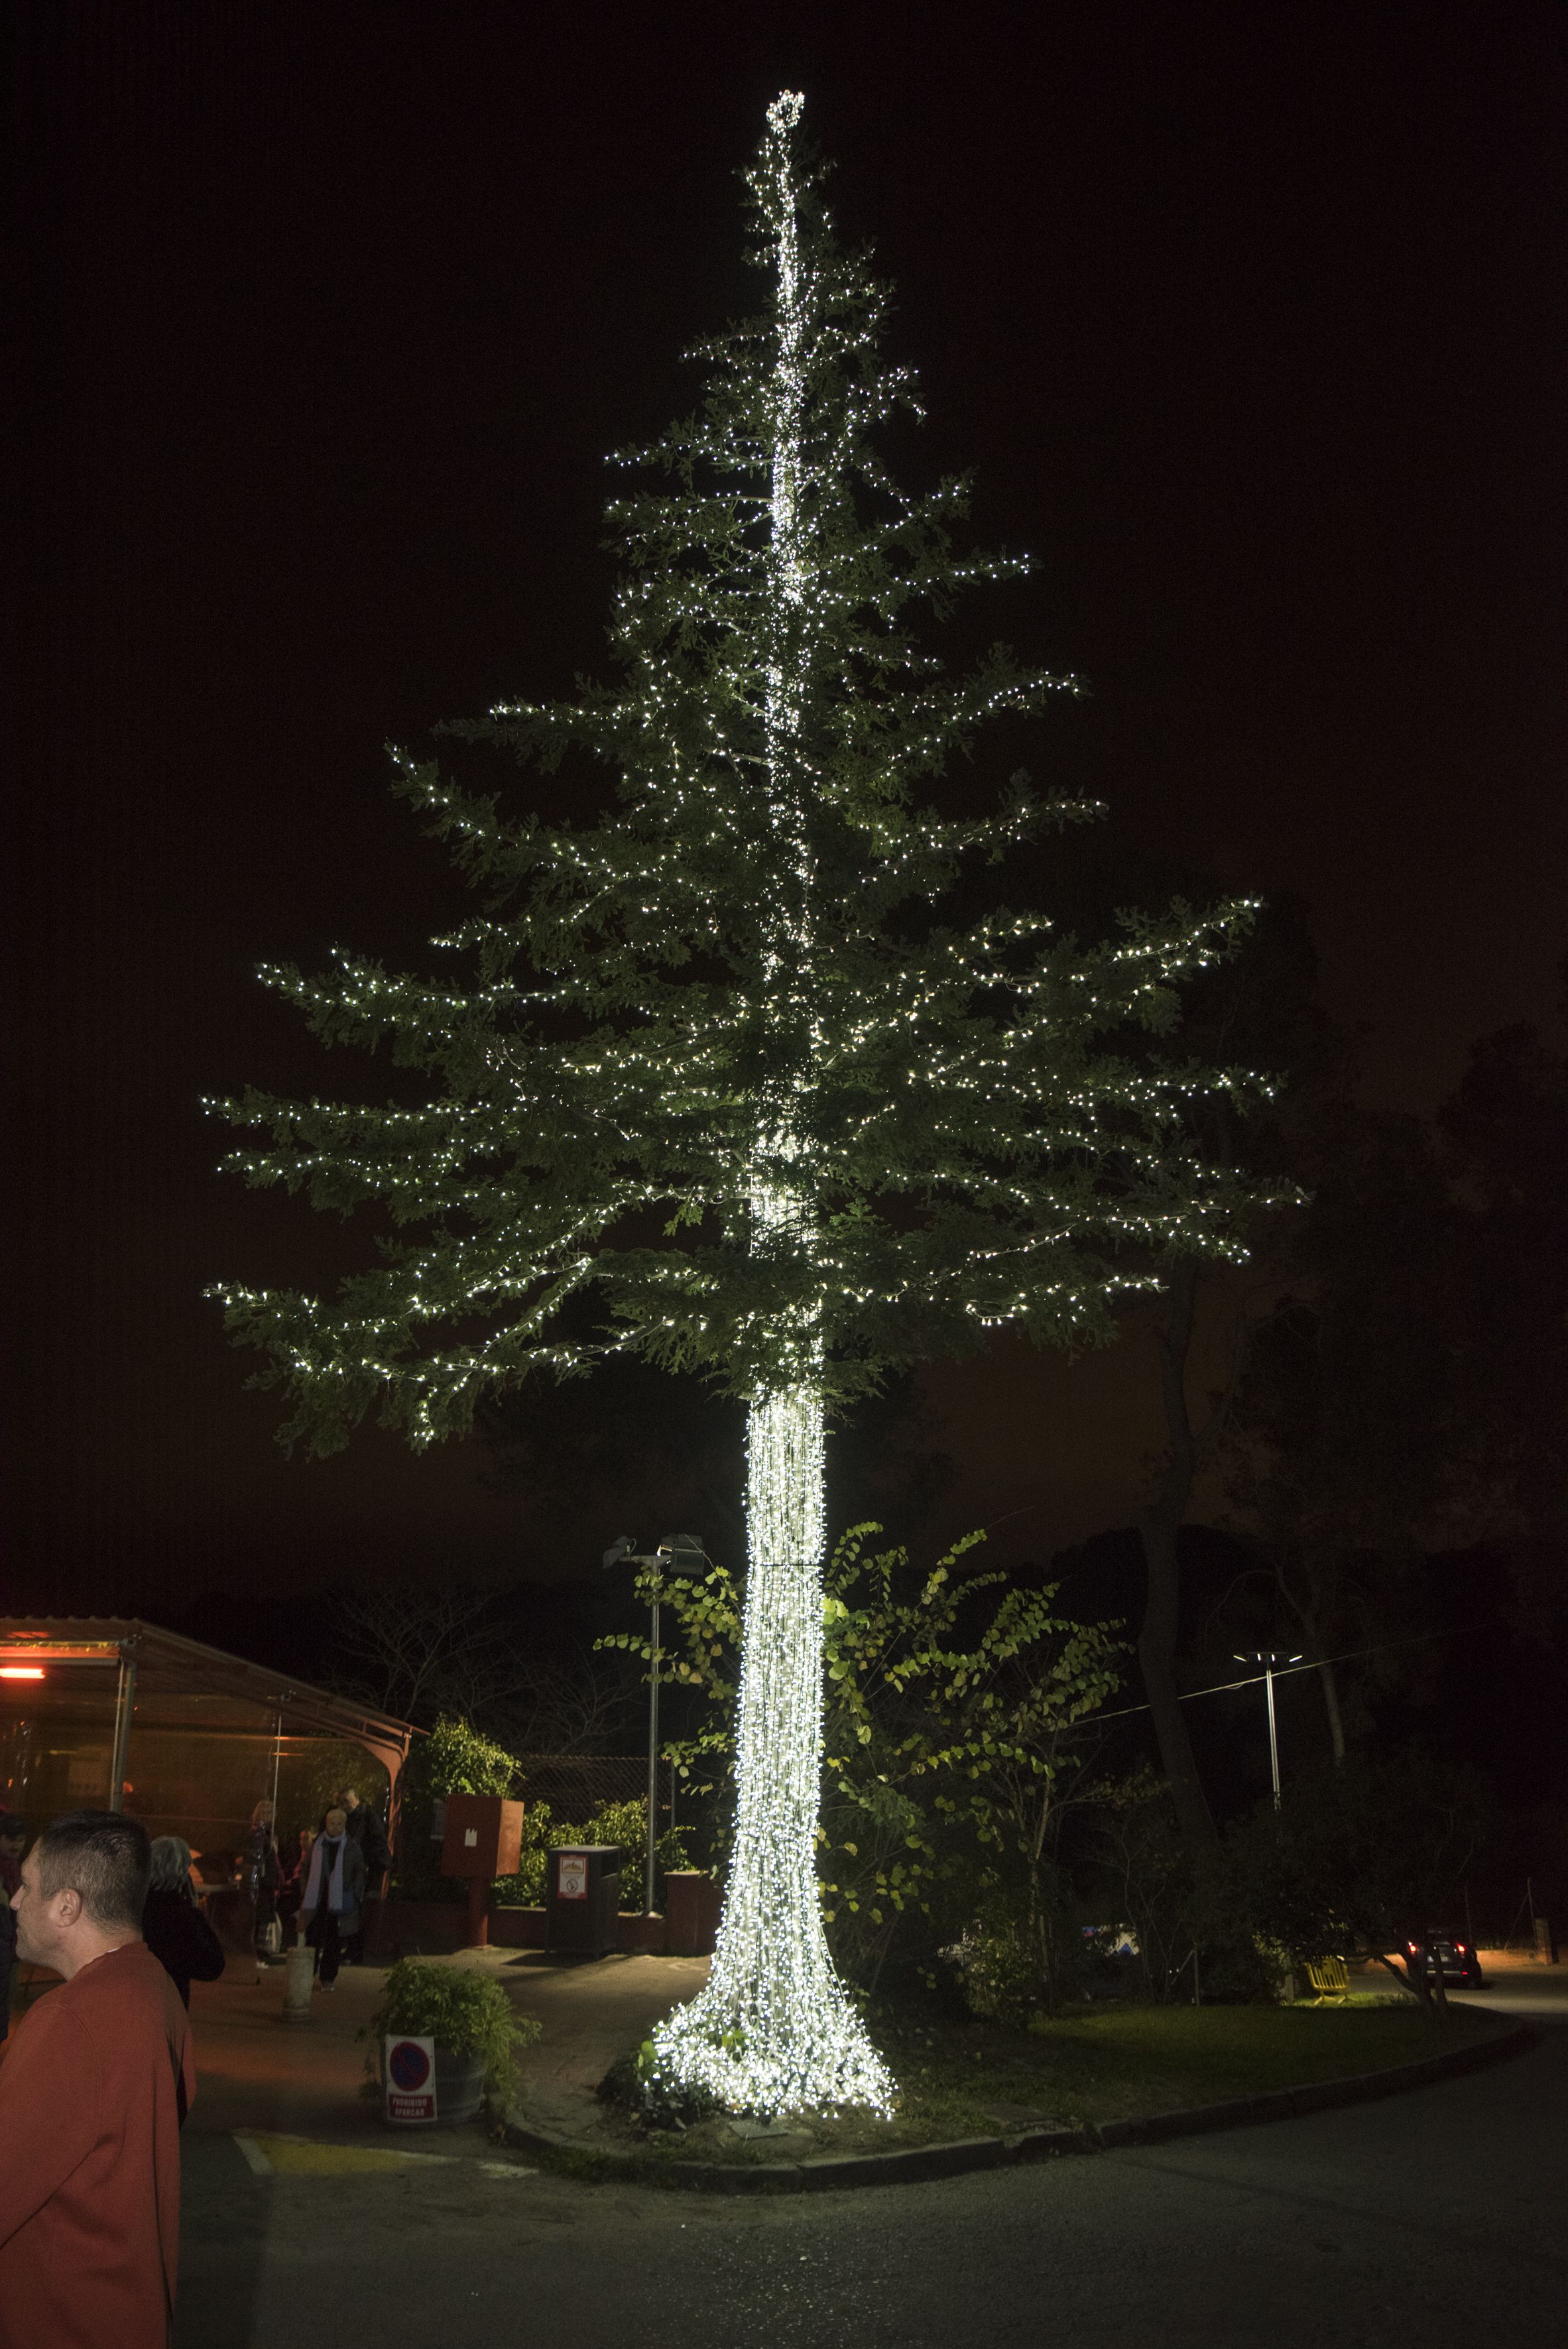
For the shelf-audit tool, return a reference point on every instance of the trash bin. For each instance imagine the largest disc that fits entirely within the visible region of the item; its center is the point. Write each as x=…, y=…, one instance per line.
x=583, y=1899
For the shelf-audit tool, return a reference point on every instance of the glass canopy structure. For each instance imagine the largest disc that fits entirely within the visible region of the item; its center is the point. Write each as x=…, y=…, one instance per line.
x=107, y=1714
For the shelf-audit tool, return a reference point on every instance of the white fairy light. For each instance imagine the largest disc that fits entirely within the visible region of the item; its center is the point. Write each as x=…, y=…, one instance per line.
x=774, y=2031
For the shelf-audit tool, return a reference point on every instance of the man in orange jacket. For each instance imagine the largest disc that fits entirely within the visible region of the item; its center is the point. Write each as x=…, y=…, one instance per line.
x=92, y=2094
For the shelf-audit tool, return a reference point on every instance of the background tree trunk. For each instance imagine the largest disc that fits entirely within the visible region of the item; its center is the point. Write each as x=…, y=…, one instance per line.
x=1331, y=1703
x=1160, y=1525
x=1308, y=1613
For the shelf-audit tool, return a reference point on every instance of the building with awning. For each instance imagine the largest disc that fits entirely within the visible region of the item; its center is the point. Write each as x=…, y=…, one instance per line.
x=106, y=1713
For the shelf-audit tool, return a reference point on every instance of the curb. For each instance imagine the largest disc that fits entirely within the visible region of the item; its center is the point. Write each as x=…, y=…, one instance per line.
x=915, y=2164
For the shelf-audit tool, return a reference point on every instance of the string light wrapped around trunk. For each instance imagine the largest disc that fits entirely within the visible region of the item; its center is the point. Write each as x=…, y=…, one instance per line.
x=775, y=2031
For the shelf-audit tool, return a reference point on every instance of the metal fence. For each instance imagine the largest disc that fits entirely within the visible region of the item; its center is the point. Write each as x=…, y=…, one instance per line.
x=576, y=1785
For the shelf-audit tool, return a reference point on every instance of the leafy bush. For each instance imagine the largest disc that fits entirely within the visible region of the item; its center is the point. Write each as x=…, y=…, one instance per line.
x=466, y=2013
x=650, y=2096
x=949, y=1735
x=624, y=1824
x=999, y=1970
x=453, y=1760
x=1133, y=1871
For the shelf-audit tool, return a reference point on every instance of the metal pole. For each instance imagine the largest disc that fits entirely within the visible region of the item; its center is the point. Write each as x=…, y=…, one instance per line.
x=653, y=1757
x=1268, y=1663
x=125, y=1704
x=110, y=1791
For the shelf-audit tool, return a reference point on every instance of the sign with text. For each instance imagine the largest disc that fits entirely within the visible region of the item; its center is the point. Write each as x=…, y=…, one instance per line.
x=571, y=1877
x=408, y=2070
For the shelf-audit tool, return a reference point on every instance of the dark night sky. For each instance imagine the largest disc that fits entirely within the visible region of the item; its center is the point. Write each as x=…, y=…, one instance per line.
x=1251, y=320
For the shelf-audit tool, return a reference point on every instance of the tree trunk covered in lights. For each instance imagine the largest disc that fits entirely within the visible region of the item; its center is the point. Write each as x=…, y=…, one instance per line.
x=1160, y=1526
x=773, y=2026
x=714, y=1080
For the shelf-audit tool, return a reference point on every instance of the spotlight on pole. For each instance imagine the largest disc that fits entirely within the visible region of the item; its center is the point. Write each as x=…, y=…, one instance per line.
x=1271, y=1664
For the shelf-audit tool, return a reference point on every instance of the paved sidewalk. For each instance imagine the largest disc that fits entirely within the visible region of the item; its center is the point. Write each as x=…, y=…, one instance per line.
x=255, y=2072
x=592, y=2013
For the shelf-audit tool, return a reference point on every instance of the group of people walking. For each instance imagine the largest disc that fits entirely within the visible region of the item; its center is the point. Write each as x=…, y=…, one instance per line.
x=321, y=1890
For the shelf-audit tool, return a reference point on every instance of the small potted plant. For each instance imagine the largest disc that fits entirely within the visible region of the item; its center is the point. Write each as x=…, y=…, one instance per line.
x=478, y=2035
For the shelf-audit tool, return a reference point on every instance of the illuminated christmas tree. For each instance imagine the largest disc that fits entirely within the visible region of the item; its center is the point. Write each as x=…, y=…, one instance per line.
x=716, y=1087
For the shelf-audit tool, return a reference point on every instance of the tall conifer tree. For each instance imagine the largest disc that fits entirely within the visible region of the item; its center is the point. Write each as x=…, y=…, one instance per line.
x=720, y=1088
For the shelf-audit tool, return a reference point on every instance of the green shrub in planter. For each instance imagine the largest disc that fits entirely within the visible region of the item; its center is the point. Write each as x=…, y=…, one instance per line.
x=624, y=1824
x=453, y=1760
x=466, y=2013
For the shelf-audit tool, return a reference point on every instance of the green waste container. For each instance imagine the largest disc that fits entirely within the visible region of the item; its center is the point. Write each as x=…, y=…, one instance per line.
x=583, y=1899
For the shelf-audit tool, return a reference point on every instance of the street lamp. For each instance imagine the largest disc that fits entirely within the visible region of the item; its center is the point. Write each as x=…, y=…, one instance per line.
x=672, y=1549
x=1271, y=1665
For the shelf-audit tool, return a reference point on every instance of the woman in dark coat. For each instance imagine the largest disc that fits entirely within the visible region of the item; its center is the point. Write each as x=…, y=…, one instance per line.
x=172, y=1926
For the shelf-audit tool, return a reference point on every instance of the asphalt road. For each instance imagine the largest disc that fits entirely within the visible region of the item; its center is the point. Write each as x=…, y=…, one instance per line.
x=1441, y=2209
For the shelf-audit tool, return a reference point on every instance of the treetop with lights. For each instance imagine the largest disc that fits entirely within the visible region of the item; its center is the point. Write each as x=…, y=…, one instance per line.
x=719, y=1080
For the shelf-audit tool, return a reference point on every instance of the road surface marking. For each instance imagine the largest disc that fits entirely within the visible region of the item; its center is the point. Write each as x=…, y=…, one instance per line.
x=274, y=2155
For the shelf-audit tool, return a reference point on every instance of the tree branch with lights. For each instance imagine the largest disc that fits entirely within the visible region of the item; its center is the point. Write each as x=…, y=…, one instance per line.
x=721, y=1085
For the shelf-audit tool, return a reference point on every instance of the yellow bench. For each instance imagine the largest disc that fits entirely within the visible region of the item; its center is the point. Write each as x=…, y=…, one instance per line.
x=1328, y=1977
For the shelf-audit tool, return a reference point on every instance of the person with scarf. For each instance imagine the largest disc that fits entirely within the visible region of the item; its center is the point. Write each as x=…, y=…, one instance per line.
x=333, y=1893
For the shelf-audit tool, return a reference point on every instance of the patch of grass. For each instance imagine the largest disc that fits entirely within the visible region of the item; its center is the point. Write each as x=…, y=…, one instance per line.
x=1132, y=2060
x=966, y=2079
x=585, y=2163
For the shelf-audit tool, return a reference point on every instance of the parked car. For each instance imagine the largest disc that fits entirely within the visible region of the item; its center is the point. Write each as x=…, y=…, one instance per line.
x=1456, y=1959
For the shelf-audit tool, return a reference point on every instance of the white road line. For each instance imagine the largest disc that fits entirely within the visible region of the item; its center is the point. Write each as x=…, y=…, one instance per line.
x=263, y=2168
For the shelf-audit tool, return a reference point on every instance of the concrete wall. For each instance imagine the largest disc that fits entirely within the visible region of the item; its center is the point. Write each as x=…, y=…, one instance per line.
x=440, y=1927
x=435, y=1928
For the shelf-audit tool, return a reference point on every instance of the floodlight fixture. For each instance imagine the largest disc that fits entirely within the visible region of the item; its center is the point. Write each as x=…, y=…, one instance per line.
x=1271, y=1664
